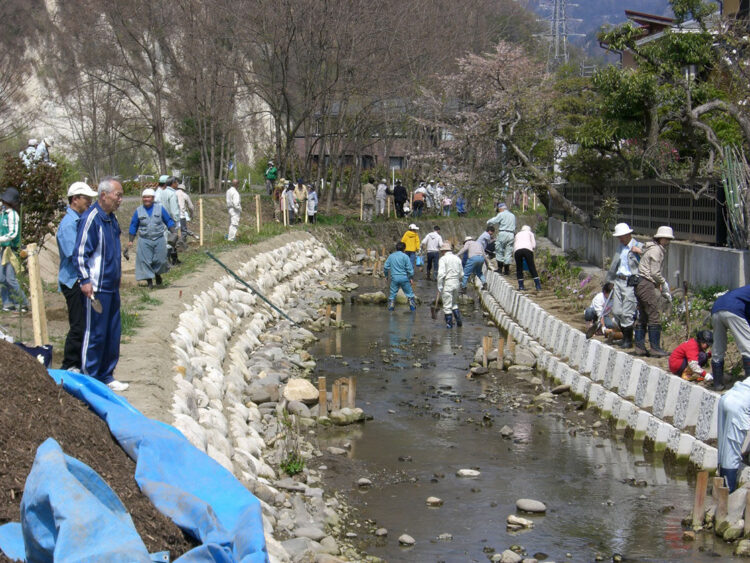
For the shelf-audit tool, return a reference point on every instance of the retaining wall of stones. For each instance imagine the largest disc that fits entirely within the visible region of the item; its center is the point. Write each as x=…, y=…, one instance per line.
x=673, y=413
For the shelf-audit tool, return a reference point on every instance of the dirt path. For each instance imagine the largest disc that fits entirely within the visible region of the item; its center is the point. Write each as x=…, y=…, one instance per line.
x=146, y=359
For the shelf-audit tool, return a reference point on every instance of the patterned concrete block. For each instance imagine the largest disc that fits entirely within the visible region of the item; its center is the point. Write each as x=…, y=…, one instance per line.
x=617, y=402
x=706, y=428
x=667, y=388
x=596, y=395
x=626, y=411
x=629, y=379
x=648, y=380
x=658, y=431
x=576, y=342
x=549, y=333
x=622, y=373
x=680, y=443
x=607, y=401
x=582, y=387
x=590, y=363
x=610, y=376
x=639, y=422
x=688, y=405
x=704, y=456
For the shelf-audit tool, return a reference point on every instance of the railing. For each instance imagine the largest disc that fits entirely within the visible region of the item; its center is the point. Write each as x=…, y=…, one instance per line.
x=645, y=205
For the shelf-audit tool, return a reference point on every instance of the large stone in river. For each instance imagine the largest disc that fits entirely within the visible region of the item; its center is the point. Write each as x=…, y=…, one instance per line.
x=302, y=390
x=530, y=505
x=524, y=357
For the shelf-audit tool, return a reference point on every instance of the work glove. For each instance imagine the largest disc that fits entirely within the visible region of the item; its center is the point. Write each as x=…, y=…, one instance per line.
x=667, y=295
x=126, y=253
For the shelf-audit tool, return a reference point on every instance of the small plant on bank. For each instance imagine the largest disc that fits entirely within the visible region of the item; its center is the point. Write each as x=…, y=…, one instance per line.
x=292, y=461
x=293, y=464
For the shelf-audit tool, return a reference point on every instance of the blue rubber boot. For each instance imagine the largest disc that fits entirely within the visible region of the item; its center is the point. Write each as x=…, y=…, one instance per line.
x=412, y=304
x=390, y=304
x=448, y=321
x=459, y=320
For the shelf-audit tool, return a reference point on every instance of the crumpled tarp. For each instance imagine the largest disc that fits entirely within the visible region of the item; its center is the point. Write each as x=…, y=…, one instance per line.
x=197, y=493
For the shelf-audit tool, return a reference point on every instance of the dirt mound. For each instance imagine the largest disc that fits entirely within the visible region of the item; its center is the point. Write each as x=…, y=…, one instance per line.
x=33, y=409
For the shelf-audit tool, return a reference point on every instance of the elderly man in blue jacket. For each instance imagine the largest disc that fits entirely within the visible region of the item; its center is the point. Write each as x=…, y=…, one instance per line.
x=400, y=270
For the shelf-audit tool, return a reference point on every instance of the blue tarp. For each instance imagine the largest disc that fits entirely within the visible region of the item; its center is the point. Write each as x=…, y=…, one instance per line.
x=198, y=494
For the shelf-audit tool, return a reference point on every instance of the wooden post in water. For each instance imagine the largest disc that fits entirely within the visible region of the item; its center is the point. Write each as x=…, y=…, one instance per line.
x=328, y=315
x=38, y=313
x=336, y=396
x=485, y=351
x=500, y=351
x=700, y=498
x=352, y=392
x=722, y=505
x=339, y=313
x=257, y=212
x=200, y=219
x=322, y=396
x=344, y=395
x=511, y=346
x=717, y=482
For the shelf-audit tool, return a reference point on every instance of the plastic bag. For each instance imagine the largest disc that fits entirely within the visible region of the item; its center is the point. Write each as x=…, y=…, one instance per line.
x=420, y=262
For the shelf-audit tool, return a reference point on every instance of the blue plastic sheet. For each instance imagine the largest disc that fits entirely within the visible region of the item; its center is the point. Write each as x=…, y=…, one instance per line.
x=198, y=494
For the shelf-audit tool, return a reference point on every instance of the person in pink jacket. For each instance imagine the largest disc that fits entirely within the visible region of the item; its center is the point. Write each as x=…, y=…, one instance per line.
x=523, y=249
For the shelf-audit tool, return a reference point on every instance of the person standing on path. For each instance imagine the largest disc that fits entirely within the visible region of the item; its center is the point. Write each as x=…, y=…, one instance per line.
x=234, y=207
x=368, y=200
x=400, y=197
x=270, y=175
x=186, y=209
x=80, y=196
x=398, y=267
x=411, y=241
x=10, y=241
x=300, y=199
x=312, y=203
x=731, y=311
x=524, y=245
x=432, y=243
x=448, y=284
x=475, y=260
x=505, y=223
x=381, y=195
x=622, y=273
x=99, y=264
x=649, y=292
x=149, y=222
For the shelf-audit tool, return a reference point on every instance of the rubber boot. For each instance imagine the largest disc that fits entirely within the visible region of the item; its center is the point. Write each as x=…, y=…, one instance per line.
x=459, y=320
x=506, y=269
x=640, y=341
x=520, y=285
x=448, y=321
x=158, y=279
x=412, y=304
x=717, y=369
x=654, y=339
x=390, y=304
x=627, y=337
x=730, y=476
x=537, y=284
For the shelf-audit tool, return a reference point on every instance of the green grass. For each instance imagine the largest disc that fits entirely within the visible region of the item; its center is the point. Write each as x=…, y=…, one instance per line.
x=129, y=321
x=147, y=299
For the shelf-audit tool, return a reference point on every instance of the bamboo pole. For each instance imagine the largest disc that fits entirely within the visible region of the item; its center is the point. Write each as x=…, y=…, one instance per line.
x=700, y=498
x=200, y=219
x=257, y=212
x=38, y=314
x=322, y=397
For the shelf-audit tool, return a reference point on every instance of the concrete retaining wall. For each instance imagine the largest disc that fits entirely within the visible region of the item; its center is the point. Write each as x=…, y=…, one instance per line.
x=701, y=265
x=675, y=414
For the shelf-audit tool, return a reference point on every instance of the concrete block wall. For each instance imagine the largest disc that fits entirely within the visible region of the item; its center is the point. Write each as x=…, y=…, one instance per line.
x=700, y=265
x=675, y=414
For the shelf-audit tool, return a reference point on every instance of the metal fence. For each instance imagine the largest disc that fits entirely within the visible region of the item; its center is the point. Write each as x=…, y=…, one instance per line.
x=645, y=205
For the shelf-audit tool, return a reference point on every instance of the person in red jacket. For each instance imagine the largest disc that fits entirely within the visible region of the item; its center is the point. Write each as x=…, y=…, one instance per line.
x=688, y=358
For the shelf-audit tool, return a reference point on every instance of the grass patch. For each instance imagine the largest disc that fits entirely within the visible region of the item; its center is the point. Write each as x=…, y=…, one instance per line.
x=147, y=299
x=129, y=321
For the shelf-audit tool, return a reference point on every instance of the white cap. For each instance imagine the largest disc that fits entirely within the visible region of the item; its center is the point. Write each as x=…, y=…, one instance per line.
x=33, y=142
x=413, y=227
x=81, y=188
x=622, y=229
x=664, y=232
x=446, y=246
x=148, y=192
x=467, y=239
x=525, y=228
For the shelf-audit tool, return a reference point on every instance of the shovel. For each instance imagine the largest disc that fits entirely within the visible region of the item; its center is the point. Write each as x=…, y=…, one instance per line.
x=96, y=305
x=433, y=306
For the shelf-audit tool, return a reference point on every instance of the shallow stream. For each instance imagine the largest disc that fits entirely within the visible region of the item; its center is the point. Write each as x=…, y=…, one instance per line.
x=604, y=495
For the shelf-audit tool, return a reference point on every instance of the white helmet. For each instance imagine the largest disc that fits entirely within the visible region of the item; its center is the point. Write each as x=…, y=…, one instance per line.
x=622, y=229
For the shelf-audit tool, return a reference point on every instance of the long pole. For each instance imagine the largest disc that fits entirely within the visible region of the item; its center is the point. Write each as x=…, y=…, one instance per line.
x=200, y=216
x=257, y=212
x=250, y=287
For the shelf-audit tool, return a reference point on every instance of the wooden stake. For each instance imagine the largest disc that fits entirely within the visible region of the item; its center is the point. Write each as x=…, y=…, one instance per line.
x=336, y=396
x=722, y=505
x=361, y=207
x=200, y=219
x=285, y=212
x=338, y=342
x=717, y=482
x=388, y=205
x=339, y=313
x=328, y=315
x=700, y=498
x=322, y=396
x=352, y=392
x=485, y=350
x=534, y=200
x=38, y=314
x=500, y=351
x=344, y=395
x=257, y=212
x=512, y=346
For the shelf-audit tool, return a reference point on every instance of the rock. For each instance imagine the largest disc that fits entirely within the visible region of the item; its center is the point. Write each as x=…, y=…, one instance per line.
x=520, y=370
x=524, y=356
x=311, y=532
x=302, y=390
x=381, y=532
x=536, y=381
x=406, y=539
x=345, y=416
x=506, y=431
x=545, y=397
x=300, y=548
x=468, y=473
x=688, y=535
x=479, y=370
x=333, y=450
x=529, y=505
x=445, y=537
x=370, y=298
x=434, y=501
x=298, y=408
x=328, y=558
x=518, y=522
x=560, y=389
x=509, y=556
x=329, y=545
x=734, y=531
x=364, y=482
x=743, y=548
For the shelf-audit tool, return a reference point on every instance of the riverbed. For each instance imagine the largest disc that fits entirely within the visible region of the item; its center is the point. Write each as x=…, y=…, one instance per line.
x=605, y=496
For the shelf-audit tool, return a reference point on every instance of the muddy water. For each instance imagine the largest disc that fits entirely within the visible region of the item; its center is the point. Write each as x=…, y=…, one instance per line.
x=604, y=495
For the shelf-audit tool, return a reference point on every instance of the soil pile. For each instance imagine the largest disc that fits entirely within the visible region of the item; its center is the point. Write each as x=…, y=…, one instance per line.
x=33, y=409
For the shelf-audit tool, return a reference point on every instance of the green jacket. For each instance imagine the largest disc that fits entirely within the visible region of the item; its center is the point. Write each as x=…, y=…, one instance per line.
x=10, y=228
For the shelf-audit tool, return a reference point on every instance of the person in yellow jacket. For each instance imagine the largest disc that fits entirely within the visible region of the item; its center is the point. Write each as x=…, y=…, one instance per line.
x=411, y=240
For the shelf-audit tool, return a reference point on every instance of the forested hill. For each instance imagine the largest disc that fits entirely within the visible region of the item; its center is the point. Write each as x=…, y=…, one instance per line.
x=595, y=13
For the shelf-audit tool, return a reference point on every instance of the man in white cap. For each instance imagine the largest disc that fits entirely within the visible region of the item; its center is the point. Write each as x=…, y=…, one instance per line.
x=448, y=283
x=474, y=262
x=234, y=208
x=652, y=288
x=149, y=222
x=411, y=240
x=380, y=197
x=432, y=243
x=28, y=155
x=80, y=197
x=623, y=273
x=505, y=223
